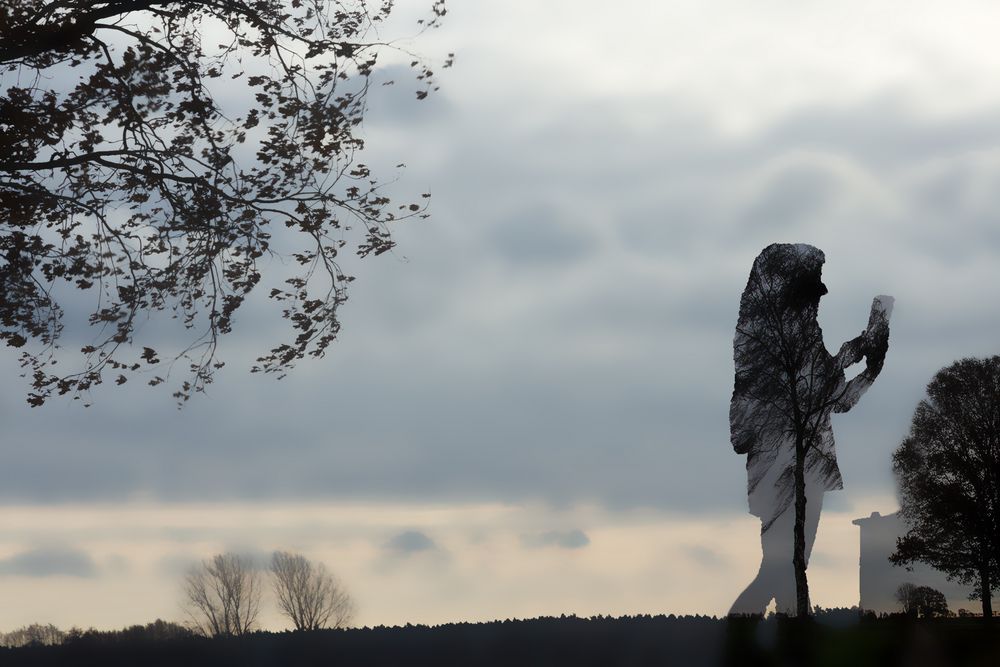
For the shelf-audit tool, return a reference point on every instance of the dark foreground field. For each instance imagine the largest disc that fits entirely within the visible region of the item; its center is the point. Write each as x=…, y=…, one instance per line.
x=658, y=640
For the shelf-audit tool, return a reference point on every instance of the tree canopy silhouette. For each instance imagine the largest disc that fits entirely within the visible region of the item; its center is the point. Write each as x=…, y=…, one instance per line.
x=922, y=601
x=155, y=155
x=948, y=472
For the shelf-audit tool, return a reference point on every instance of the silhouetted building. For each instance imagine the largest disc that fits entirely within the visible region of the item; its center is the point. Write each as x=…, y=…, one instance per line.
x=880, y=579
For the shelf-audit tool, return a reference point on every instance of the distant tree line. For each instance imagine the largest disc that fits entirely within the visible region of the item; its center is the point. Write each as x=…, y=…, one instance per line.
x=37, y=634
x=34, y=634
x=569, y=640
x=598, y=641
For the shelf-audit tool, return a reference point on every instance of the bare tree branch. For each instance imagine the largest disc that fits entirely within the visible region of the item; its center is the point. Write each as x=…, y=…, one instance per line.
x=134, y=185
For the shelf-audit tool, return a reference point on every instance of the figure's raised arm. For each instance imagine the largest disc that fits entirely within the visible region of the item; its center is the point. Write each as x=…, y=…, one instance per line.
x=876, y=336
x=872, y=345
x=850, y=352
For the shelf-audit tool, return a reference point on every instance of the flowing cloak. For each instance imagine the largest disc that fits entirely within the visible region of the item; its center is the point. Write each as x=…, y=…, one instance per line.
x=770, y=453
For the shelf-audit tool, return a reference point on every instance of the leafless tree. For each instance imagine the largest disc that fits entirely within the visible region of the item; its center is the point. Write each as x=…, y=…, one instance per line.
x=309, y=595
x=223, y=595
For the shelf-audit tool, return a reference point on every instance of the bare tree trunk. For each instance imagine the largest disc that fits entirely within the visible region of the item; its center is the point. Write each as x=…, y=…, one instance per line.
x=799, y=556
x=985, y=584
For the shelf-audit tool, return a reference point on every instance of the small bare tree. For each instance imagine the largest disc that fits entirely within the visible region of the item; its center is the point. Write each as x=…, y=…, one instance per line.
x=223, y=595
x=309, y=595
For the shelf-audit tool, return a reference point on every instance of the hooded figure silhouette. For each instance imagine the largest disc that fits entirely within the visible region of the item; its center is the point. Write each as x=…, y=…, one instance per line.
x=785, y=389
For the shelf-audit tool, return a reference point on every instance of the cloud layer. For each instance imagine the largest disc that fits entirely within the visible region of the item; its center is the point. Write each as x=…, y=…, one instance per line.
x=561, y=329
x=48, y=562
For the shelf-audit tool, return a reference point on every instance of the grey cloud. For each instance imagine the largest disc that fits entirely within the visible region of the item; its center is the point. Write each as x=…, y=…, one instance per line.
x=605, y=379
x=535, y=236
x=792, y=197
x=395, y=104
x=177, y=565
x=564, y=539
x=49, y=562
x=258, y=559
x=824, y=560
x=703, y=556
x=885, y=132
x=117, y=563
x=410, y=542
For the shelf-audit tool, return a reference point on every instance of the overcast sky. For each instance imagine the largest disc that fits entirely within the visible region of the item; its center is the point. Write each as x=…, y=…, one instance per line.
x=526, y=411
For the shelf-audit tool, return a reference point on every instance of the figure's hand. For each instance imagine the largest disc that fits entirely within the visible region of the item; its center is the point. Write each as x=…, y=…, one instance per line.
x=874, y=343
x=881, y=309
x=876, y=337
x=851, y=352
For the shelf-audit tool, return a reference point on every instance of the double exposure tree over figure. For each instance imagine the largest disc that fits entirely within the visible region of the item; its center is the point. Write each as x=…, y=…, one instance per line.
x=155, y=155
x=786, y=387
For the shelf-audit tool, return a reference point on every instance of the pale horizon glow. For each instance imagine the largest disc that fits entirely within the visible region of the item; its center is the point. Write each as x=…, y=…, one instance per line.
x=486, y=562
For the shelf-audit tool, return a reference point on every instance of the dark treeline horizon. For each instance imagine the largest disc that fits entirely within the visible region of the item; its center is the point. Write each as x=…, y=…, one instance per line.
x=689, y=641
